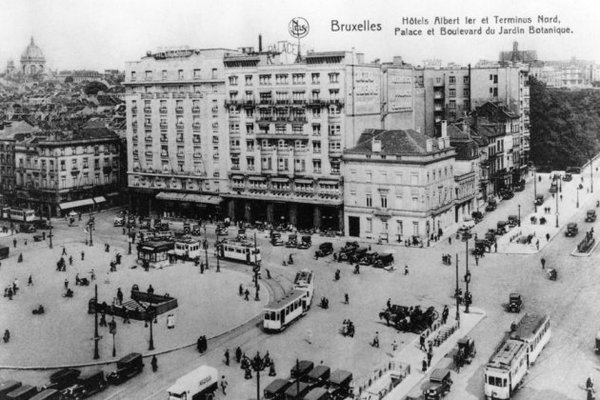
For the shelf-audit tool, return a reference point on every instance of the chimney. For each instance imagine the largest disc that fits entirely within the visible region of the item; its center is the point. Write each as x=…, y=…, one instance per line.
x=259, y=43
x=376, y=146
x=441, y=142
x=444, y=128
x=360, y=58
x=397, y=60
x=429, y=145
x=465, y=128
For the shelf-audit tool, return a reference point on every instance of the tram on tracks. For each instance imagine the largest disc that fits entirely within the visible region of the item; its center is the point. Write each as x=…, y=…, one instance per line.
x=515, y=355
x=239, y=250
x=280, y=314
x=19, y=215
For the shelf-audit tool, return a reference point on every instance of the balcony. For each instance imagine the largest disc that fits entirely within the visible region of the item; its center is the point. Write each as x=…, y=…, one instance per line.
x=180, y=155
x=147, y=96
x=298, y=102
x=164, y=139
x=134, y=110
x=164, y=125
x=149, y=153
x=265, y=102
x=196, y=139
x=148, y=138
x=248, y=103
x=164, y=154
x=282, y=102
x=134, y=138
x=195, y=110
x=231, y=102
x=147, y=124
x=179, y=95
x=179, y=139
x=234, y=117
x=179, y=125
x=162, y=95
x=215, y=109
x=179, y=110
x=235, y=167
x=336, y=101
x=315, y=103
x=196, y=125
x=333, y=118
x=299, y=119
x=265, y=119
x=162, y=110
x=335, y=152
x=148, y=110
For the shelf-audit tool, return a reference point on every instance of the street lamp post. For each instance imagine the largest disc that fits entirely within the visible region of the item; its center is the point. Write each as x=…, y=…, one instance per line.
x=535, y=188
x=258, y=364
x=91, y=228
x=577, y=196
x=591, y=176
x=149, y=321
x=205, y=247
x=96, y=335
x=50, y=235
x=556, y=197
x=467, y=274
x=519, y=220
x=456, y=295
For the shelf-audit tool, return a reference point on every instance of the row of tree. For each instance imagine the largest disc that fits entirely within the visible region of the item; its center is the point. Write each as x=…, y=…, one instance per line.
x=565, y=125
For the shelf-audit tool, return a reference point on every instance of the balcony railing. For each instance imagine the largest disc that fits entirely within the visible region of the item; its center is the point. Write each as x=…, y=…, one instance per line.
x=195, y=110
x=163, y=110
x=147, y=124
x=179, y=125
x=179, y=110
x=148, y=110
x=134, y=110
x=179, y=139
x=164, y=125
x=196, y=125
x=248, y=103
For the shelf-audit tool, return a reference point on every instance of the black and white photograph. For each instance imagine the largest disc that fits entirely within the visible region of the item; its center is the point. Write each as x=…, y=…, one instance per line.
x=299, y=200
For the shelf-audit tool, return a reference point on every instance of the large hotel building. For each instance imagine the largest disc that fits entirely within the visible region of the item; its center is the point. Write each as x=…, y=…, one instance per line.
x=247, y=135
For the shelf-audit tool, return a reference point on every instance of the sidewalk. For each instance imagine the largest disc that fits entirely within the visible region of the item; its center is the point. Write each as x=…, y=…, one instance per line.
x=412, y=355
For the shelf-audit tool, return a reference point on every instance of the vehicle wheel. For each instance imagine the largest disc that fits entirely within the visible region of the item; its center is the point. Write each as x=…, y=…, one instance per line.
x=210, y=396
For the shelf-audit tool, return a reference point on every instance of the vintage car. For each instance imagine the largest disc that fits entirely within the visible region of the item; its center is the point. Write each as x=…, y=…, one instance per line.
x=276, y=389
x=571, y=230
x=553, y=187
x=325, y=249
x=466, y=350
x=501, y=227
x=568, y=177
x=127, y=367
x=305, y=242
x=118, y=221
x=539, y=200
x=507, y=194
x=384, y=260
x=513, y=220
x=440, y=383
x=86, y=386
x=514, y=303
x=292, y=241
x=276, y=239
x=552, y=274
x=520, y=186
x=590, y=216
x=492, y=205
x=222, y=230
x=369, y=258
x=340, y=382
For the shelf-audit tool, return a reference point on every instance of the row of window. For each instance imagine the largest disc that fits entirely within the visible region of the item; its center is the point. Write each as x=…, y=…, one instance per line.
x=398, y=176
x=385, y=226
x=284, y=79
x=179, y=74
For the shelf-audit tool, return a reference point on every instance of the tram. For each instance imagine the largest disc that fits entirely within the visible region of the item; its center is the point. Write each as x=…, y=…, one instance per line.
x=516, y=354
x=22, y=215
x=280, y=314
x=242, y=251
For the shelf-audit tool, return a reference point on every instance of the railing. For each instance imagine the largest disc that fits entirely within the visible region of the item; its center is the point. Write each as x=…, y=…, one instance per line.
x=148, y=110
x=163, y=110
x=195, y=110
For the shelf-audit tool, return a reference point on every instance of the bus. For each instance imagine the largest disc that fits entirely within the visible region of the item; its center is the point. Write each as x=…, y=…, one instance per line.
x=242, y=251
x=22, y=215
x=515, y=355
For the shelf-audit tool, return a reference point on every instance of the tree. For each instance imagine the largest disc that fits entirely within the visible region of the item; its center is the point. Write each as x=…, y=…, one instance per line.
x=94, y=87
x=69, y=79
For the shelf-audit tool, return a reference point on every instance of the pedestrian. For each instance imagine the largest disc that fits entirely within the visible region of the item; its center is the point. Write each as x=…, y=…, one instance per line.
x=406, y=270
x=64, y=251
x=15, y=285
x=15, y=243
x=238, y=354
x=424, y=365
x=120, y=296
x=561, y=197
x=66, y=283
x=227, y=357
x=389, y=303
x=82, y=255
x=25, y=242
x=376, y=340
x=496, y=247
x=548, y=237
x=422, y=342
x=346, y=298
x=241, y=289
x=154, y=363
x=247, y=295
x=537, y=244
x=103, y=319
x=92, y=275
x=10, y=293
x=20, y=259
x=30, y=281
x=126, y=316
x=223, y=385
x=171, y=321
x=476, y=259
x=429, y=357
x=70, y=260
x=543, y=261
x=394, y=346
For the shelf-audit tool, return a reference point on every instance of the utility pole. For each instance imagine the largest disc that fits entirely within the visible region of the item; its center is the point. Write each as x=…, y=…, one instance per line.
x=556, y=197
x=456, y=295
x=467, y=275
x=205, y=244
x=96, y=336
x=535, y=188
x=50, y=235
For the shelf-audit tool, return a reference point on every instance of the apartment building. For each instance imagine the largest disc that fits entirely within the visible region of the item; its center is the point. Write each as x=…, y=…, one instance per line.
x=63, y=171
x=399, y=185
x=10, y=133
x=177, y=132
x=288, y=124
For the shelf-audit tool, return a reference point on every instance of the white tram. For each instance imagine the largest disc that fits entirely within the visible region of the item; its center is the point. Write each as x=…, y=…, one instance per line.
x=243, y=251
x=515, y=355
x=22, y=215
x=187, y=249
x=279, y=314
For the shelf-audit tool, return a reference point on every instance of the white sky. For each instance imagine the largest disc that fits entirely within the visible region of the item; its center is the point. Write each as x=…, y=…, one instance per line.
x=105, y=34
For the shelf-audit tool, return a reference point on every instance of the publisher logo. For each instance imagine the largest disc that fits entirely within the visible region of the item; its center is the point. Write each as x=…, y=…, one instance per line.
x=298, y=27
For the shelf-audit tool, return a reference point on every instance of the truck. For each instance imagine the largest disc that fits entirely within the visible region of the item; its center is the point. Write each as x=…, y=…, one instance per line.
x=200, y=384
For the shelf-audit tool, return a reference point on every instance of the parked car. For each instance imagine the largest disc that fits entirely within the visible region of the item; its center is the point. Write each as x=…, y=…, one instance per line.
x=539, y=200
x=520, y=186
x=41, y=224
x=292, y=241
x=27, y=228
x=127, y=367
x=590, y=216
x=492, y=205
x=507, y=194
x=513, y=220
x=572, y=229
x=501, y=227
x=384, y=260
x=440, y=382
x=276, y=239
x=567, y=177
x=325, y=249
x=305, y=243
x=118, y=221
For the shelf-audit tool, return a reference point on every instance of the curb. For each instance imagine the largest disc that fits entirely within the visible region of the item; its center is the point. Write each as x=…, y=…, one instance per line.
x=575, y=253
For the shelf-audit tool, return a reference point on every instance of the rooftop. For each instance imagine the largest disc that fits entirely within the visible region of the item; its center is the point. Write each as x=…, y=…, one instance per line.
x=394, y=142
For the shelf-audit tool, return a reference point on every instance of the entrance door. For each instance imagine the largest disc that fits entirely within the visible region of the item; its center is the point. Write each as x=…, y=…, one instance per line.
x=354, y=226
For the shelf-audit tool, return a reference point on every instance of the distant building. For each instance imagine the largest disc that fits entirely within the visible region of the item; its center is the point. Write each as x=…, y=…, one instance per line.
x=64, y=171
x=10, y=67
x=10, y=133
x=399, y=184
x=33, y=61
x=516, y=55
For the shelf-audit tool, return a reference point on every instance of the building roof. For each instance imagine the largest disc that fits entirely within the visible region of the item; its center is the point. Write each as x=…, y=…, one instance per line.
x=32, y=53
x=9, y=129
x=394, y=142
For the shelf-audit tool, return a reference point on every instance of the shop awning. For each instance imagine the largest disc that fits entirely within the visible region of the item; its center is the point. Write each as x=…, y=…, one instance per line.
x=203, y=199
x=282, y=180
x=112, y=194
x=170, y=196
x=77, y=203
x=99, y=199
x=304, y=181
x=257, y=178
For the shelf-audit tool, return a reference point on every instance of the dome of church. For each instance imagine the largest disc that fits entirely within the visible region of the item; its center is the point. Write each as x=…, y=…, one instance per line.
x=32, y=53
